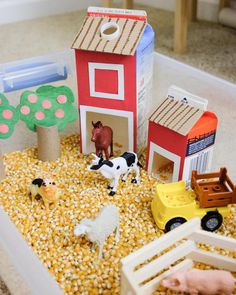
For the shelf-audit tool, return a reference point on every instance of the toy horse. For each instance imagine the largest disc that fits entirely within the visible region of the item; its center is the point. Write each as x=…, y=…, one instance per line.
x=103, y=138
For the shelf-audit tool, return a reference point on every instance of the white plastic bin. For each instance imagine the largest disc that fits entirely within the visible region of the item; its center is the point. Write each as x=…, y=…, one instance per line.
x=20, y=267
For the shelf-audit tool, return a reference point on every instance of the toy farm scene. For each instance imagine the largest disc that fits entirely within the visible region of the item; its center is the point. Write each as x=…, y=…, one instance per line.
x=103, y=188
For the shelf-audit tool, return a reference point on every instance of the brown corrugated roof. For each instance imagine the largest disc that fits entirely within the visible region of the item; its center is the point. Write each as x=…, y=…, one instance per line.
x=176, y=115
x=126, y=43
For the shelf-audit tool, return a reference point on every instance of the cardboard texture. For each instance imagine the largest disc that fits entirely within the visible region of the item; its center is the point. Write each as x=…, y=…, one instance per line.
x=176, y=115
x=182, y=95
x=48, y=143
x=181, y=137
x=2, y=168
x=89, y=37
x=126, y=61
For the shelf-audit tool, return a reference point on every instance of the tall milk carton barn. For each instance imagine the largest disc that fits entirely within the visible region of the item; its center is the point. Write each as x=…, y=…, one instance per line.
x=113, y=52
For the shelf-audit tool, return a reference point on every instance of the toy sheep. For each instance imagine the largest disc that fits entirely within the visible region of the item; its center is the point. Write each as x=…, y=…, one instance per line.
x=99, y=229
x=205, y=282
x=46, y=188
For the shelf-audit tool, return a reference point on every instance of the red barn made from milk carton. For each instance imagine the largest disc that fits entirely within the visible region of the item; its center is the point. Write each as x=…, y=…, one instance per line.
x=181, y=136
x=113, y=52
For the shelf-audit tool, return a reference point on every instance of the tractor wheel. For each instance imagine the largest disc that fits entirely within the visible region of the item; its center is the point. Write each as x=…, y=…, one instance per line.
x=174, y=222
x=211, y=221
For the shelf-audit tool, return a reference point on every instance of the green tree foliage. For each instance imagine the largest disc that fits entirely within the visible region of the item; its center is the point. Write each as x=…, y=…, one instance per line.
x=8, y=117
x=47, y=106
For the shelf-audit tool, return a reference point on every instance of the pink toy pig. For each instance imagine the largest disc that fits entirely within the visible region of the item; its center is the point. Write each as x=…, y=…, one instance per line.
x=204, y=282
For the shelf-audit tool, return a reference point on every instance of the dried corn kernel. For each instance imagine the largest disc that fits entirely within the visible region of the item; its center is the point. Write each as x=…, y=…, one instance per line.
x=70, y=259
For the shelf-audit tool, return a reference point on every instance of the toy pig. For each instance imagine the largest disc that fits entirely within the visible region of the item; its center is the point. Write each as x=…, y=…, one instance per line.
x=46, y=188
x=204, y=282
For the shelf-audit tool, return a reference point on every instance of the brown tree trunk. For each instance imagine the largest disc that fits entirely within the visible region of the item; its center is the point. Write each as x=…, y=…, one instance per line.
x=2, y=168
x=48, y=143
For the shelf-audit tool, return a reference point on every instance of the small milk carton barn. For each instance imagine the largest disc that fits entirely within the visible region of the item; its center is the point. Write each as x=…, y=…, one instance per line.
x=181, y=136
x=113, y=52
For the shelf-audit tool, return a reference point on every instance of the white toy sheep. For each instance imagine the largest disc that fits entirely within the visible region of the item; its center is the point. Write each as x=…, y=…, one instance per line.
x=99, y=229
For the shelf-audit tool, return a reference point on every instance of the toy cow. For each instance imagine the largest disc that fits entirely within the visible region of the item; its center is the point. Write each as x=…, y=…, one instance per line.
x=103, y=138
x=99, y=229
x=113, y=169
x=46, y=188
x=204, y=282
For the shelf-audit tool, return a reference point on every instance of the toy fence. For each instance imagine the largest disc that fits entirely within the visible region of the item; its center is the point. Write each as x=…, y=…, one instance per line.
x=214, y=193
x=138, y=276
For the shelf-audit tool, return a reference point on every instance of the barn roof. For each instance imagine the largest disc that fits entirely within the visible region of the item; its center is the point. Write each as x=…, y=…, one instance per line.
x=89, y=37
x=176, y=115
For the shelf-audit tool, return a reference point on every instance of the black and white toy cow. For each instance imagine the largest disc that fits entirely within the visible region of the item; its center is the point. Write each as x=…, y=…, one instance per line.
x=113, y=169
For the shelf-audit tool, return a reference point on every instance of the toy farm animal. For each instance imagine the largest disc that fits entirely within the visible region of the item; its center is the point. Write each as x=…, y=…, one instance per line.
x=46, y=188
x=103, y=138
x=204, y=282
x=113, y=169
x=99, y=229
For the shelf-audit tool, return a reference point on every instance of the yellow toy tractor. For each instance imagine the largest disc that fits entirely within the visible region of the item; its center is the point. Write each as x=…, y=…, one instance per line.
x=209, y=199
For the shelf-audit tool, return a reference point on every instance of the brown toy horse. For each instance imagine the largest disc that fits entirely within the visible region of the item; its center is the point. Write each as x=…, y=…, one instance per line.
x=103, y=138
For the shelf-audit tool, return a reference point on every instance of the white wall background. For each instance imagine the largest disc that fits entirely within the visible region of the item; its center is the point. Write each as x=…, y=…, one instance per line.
x=17, y=10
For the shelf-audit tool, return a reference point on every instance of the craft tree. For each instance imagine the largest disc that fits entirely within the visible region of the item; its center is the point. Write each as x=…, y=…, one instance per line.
x=8, y=119
x=46, y=111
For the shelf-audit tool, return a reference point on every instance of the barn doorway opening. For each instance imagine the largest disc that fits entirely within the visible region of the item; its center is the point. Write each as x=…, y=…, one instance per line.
x=162, y=168
x=163, y=164
x=120, y=122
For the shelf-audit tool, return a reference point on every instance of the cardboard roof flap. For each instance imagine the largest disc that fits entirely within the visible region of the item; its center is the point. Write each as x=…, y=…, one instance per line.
x=89, y=37
x=176, y=115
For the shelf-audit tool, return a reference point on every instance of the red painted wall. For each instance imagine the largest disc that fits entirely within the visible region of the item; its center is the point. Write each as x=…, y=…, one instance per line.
x=130, y=101
x=207, y=123
x=84, y=57
x=169, y=140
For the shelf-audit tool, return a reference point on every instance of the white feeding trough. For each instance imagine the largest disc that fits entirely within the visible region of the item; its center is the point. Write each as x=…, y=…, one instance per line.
x=143, y=270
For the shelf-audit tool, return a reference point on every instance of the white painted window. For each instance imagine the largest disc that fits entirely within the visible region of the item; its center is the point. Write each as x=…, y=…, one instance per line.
x=120, y=81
